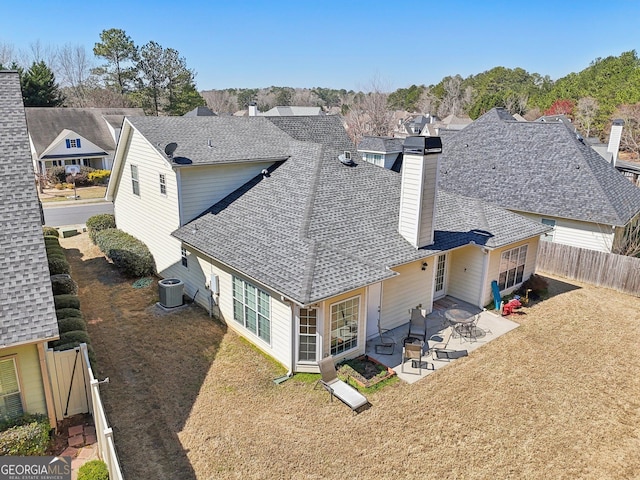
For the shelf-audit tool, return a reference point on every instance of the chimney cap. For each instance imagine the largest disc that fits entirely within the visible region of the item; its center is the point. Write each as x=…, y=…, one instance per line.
x=419, y=145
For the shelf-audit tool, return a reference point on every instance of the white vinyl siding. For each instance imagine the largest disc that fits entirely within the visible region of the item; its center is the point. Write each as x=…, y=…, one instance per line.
x=594, y=236
x=412, y=287
x=465, y=273
x=203, y=186
x=150, y=217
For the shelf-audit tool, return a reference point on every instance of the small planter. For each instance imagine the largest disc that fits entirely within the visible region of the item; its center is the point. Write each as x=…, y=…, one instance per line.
x=365, y=371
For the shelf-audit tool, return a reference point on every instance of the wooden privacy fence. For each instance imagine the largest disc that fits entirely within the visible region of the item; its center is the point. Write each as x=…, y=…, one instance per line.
x=618, y=272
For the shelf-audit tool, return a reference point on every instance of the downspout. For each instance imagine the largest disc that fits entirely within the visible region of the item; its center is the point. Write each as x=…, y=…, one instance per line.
x=485, y=270
x=179, y=188
x=46, y=382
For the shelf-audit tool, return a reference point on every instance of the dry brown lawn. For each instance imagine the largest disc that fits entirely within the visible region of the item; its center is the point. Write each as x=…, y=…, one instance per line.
x=557, y=398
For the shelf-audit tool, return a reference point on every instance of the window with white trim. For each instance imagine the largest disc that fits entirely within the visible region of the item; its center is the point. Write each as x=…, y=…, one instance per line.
x=344, y=325
x=10, y=396
x=308, y=335
x=163, y=184
x=252, y=308
x=135, y=183
x=375, y=158
x=512, y=265
x=548, y=236
x=185, y=260
x=73, y=142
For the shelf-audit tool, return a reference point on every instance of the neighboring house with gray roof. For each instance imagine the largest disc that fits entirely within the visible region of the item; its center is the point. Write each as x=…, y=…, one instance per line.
x=27, y=313
x=291, y=111
x=381, y=151
x=75, y=136
x=542, y=170
x=298, y=249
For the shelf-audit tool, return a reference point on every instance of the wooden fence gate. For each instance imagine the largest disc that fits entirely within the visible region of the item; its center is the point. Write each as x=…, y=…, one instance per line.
x=69, y=382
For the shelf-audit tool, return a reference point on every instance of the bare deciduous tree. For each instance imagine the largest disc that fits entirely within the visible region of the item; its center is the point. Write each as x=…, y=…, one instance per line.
x=586, y=112
x=220, y=101
x=7, y=55
x=368, y=114
x=630, y=140
x=628, y=241
x=75, y=71
x=455, y=98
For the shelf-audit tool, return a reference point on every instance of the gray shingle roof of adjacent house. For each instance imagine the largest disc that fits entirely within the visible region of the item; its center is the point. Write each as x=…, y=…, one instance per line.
x=27, y=312
x=381, y=144
x=211, y=140
x=537, y=167
x=45, y=123
x=315, y=227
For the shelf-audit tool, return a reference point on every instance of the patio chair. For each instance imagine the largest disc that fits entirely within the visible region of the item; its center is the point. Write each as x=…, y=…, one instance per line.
x=386, y=341
x=418, y=324
x=413, y=352
x=440, y=342
x=337, y=388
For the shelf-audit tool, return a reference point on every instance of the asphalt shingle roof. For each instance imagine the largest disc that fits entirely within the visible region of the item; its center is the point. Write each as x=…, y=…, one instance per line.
x=315, y=227
x=214, y=140
x=537, y=167
x=380, y=144
x=27, y=311
x=46, y=123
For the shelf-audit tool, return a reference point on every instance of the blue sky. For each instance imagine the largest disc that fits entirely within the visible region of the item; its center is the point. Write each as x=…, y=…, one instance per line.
x=342, y=44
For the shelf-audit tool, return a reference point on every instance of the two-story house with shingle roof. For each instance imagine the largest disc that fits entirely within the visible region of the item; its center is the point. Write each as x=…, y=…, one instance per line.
x=296, y=246
x=27, y=313
x=542, y=170
x=75, y=136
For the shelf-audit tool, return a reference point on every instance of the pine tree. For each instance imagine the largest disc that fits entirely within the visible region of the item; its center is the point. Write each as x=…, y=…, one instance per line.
x=39, y=87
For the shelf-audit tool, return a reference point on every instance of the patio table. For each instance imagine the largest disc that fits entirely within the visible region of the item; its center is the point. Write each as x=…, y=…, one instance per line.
x=459, y=316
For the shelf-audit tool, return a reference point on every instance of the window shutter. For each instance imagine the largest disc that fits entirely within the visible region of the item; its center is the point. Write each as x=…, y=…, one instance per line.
x=78, y=142
x=68, y=143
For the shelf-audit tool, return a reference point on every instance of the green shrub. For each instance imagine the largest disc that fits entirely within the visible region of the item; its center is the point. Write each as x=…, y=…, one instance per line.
x=72, y=337
x=63, y=284
x=99, y=222
x=93, y=470
x=24, y=419
x=99, y=177
x=53, y=254
x=70, y=324
x=57, y=175
x=66, y=301
x=28, y=439
x=58, y=265
x=50, y=232
x=55, y=249
x=127, y=253
x=51, y=240
x=68, y=313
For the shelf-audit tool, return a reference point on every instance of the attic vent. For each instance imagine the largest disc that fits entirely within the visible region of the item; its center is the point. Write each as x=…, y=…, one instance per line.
x=345, y=158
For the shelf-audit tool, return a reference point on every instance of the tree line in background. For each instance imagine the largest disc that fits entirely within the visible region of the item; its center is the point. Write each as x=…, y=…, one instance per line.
x=150, y=76
x=158, y=80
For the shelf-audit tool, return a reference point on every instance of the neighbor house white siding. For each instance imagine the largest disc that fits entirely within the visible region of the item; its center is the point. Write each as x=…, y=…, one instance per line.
x=204, y=186
x=465, y=274
x=412, y=287
x=150, y=216
x=594, y=236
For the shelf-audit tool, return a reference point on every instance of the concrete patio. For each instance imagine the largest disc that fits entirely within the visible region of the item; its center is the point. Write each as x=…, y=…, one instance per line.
x=490, y=326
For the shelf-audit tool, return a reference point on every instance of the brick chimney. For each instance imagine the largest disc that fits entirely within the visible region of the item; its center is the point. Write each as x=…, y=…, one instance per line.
x=420, y=165
x=614, y=140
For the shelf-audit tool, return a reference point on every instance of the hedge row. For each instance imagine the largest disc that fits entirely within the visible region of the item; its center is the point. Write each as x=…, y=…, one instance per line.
x=70, y=324
x=50, y=232
x=63, y=284
x=68, y=313
x=99, y=222
x=32, y=438
x=127, y=253
x=66, y=301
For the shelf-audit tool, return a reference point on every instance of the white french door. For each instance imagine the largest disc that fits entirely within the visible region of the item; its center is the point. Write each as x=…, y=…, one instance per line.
x=440, y=279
